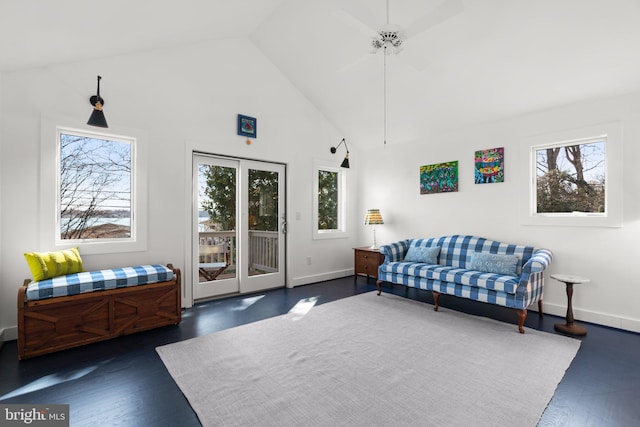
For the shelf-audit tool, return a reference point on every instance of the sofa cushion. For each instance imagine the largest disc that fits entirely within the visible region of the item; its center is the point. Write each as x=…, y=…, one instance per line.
x=462, y=276
x=495, y=263
x=479, y=279
x=422, y=253
x=91, y=281
x=409, y=268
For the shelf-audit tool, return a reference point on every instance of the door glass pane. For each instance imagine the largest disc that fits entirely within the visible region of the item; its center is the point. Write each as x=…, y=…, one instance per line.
x=216, y=222
x=263, y=222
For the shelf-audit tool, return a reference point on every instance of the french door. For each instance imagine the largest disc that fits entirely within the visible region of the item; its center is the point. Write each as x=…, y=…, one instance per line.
x=238, y=226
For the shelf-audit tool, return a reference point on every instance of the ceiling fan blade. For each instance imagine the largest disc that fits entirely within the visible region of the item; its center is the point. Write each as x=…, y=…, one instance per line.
x=358, y=19
x=347, y=68
x=448, y=9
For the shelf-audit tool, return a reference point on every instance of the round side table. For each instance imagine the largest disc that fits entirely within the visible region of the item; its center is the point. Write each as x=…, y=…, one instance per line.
x=570, y=327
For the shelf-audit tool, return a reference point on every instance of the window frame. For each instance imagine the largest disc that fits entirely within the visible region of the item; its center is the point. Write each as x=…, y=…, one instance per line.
x=611, y=134
x=341, y=231
x=50, y=189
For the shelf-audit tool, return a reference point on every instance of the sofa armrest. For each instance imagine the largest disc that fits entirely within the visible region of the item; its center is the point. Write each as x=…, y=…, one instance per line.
x=394, y=252
x=538, y=262
x=531, y=285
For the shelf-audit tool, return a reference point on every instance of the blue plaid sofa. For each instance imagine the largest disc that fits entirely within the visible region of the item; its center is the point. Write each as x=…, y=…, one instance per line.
x=469, y=267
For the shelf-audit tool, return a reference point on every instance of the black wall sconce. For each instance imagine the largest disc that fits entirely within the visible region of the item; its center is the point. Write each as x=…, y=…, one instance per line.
x=345, y=162
x=97, y=116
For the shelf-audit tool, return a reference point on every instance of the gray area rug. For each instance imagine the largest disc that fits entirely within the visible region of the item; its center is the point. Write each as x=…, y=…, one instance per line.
x=371, y=360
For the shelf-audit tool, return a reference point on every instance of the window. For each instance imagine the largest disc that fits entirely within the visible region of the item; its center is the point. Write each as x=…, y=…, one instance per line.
x=575, y=178
x=95, y=191
x=571, y=178
x=93, y=188
x=329, y=202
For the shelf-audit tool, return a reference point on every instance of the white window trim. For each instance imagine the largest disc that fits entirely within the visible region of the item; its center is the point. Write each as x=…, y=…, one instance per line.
x=341, y=232
x=49, y=191
x=613, y=217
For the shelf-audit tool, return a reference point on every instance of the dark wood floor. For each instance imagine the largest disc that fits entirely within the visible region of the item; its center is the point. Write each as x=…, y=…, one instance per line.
x=123, y=382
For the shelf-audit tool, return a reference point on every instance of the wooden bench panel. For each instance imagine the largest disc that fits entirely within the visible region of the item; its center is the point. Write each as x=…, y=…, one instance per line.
x=54, y=324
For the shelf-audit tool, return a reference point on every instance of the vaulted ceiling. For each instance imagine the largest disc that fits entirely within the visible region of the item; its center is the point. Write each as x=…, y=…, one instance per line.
x=490, y=60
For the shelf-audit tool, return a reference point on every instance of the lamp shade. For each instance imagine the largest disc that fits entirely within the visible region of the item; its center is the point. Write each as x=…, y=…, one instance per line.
x=373, y=217
x=97, y=118
x=345, y=162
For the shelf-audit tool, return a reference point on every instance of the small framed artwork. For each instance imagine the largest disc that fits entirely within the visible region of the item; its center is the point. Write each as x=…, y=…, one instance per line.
x=489, y=166
x=439, y=178
x=247, y=126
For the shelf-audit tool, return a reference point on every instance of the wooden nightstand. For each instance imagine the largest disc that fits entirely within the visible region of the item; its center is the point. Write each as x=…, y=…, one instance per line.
x=366, y=261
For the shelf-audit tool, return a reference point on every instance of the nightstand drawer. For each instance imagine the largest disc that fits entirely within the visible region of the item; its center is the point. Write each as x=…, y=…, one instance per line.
x=366, y=261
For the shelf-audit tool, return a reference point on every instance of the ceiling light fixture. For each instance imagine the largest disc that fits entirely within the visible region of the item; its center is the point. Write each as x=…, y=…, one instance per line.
x=345, y=162
x=97, y=116
x=390, y=38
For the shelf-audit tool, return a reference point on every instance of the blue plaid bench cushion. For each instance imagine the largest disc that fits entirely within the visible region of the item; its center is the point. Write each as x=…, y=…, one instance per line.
x=91, y=281
x=496, y=282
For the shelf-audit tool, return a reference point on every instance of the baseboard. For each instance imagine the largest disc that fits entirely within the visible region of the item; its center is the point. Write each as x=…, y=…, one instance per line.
x=306, y=280
x=9, y=334
x=632, y=325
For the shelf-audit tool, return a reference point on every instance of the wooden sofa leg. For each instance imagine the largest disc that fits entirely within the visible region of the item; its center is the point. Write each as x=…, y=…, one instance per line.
x=378, y=286
x=522, y=315
x=436, y=297
x=540, y=307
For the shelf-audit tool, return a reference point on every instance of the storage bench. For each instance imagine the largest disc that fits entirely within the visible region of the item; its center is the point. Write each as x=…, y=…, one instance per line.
x=82, y=308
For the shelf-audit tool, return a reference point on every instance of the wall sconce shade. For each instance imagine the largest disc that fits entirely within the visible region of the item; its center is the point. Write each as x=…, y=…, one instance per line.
x=374, y=218
x=97, y=115
x=345, y=162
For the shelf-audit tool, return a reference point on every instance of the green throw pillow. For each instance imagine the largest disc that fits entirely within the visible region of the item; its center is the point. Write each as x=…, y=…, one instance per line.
x=46, y=265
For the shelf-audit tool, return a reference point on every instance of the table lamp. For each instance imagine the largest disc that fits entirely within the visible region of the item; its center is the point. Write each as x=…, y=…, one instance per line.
x=374, y=218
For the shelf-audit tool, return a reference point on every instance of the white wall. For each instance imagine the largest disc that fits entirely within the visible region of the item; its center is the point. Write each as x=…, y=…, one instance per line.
x=179, y=97
x=608, y=256
x=1, y=239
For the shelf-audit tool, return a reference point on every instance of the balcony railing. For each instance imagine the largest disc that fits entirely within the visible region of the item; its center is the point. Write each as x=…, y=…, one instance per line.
x=263, y=251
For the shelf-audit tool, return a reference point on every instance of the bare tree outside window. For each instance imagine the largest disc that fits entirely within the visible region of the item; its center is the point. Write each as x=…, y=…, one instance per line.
x=95, y=187
x=571, y=178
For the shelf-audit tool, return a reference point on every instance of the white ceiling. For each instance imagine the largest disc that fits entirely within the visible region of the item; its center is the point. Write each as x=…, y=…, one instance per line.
x=495, y=59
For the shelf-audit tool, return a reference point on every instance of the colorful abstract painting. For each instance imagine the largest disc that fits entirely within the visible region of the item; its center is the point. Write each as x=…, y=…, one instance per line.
x=489, y=166
x=439, y=178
